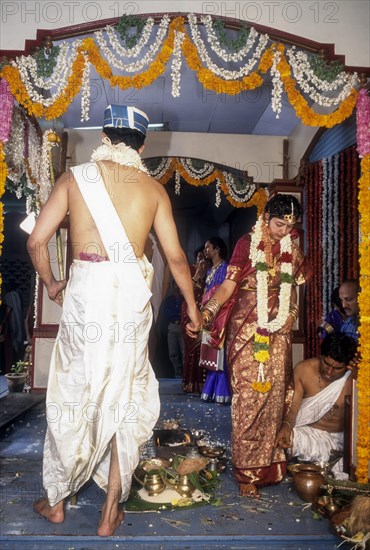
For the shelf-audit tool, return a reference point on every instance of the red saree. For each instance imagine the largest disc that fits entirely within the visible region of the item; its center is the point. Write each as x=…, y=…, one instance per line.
x=257, y=416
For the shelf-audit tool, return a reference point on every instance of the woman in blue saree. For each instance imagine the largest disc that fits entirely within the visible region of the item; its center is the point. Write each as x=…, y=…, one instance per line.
x=217, y=386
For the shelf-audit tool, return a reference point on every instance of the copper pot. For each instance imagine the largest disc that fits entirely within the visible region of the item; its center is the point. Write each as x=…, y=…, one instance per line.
x=308, y=481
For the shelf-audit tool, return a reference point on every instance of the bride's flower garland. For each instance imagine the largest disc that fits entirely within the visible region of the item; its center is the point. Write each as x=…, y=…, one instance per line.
x=120, y=153
x=259, y=260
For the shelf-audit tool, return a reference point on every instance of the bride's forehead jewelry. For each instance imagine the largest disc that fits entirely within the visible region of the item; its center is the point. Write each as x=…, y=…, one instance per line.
x=290, y=218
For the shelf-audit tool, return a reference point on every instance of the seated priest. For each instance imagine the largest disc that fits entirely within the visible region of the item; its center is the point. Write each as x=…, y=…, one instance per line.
x=314, y=425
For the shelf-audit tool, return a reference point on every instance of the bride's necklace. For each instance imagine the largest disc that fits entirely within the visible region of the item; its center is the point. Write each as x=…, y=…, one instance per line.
x=119, y=153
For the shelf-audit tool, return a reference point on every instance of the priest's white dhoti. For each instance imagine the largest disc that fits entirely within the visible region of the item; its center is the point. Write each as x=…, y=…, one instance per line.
x=312, y=444
x=101, y=383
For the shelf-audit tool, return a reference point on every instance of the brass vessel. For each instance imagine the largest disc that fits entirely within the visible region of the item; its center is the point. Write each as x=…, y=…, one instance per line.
x=184, y=487
x=154, y=484
x=308, y=481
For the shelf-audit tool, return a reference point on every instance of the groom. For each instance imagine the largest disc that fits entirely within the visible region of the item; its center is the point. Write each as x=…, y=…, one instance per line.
x=101, y=388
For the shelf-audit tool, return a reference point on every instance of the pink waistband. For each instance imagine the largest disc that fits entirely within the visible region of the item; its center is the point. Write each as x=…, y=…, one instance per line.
x=92, y=257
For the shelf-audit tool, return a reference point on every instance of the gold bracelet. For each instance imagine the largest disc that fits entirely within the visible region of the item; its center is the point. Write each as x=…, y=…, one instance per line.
x=294, y=310
x=210, y=310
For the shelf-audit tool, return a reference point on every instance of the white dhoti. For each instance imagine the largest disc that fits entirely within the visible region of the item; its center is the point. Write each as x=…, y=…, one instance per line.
x=101, y=383
x=314, y=445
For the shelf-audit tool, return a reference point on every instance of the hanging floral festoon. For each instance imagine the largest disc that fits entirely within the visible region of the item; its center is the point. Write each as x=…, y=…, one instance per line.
x=144, y=57
x=6, y=112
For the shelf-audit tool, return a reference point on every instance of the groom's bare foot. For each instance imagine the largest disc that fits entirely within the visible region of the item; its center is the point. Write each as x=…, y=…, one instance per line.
x=55, y=514
x=249, y=490
x=110, y=521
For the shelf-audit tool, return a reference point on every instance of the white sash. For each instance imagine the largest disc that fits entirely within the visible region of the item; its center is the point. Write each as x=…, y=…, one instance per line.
x=113, y=235
x=314, y=408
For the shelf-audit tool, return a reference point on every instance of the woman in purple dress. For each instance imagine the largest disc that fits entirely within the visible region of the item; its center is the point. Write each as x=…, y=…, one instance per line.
x=217, y=386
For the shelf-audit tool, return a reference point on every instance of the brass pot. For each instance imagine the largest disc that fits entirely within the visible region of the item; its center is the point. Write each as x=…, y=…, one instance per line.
x=308, y=481
x=154, y=484
x=184, y=487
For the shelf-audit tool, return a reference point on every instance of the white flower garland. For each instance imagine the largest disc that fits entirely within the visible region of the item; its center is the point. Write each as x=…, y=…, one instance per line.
x=160, y=171
x=243, y=195
x=135, y=51
x=120, y=153
x=256, y=256
x=14, y=149
x=34, y=156
x=45, y=182
x=218, y=193
x=277, y=84
x=176, y=63
x=307, y=79
x=215, y=44
x=224, y=73
x=197, y=173
x=122, y=52
x=85, y=91
x=58, y=76
x=59, y=80
x=177, y=183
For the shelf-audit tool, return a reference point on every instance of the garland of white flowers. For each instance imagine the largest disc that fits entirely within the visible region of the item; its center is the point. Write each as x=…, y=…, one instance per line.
x=303, y=73
x=85, y=91
x=197, y=173
x=277, y=84
x=60, y=71
x=14, y=151
x=258, y=260
x=324, y=237
x=141, y=43
x=219, y=71
x=58, y=79
x=45, y=182
x=218, y=193
x=240, y=195
x=215, y=43
x=176, y=63
x=34, y=157
x=265, y=327
x=120, y=153
x=177, y=183
x=159, y=172
x=119, y=50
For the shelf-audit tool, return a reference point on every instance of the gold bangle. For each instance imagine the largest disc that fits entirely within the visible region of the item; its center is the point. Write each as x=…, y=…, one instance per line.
x=286, y=422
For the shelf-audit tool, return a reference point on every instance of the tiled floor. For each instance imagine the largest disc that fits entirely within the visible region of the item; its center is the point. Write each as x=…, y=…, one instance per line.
x=280, y=520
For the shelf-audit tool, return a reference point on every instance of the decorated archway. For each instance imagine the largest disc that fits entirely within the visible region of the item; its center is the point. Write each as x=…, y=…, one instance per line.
x=46, y=83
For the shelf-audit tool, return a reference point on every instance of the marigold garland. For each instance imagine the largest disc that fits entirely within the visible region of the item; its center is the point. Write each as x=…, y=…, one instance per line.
x=301, y=107
x=259, y=198
x=205, y=76
x=363, y=377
